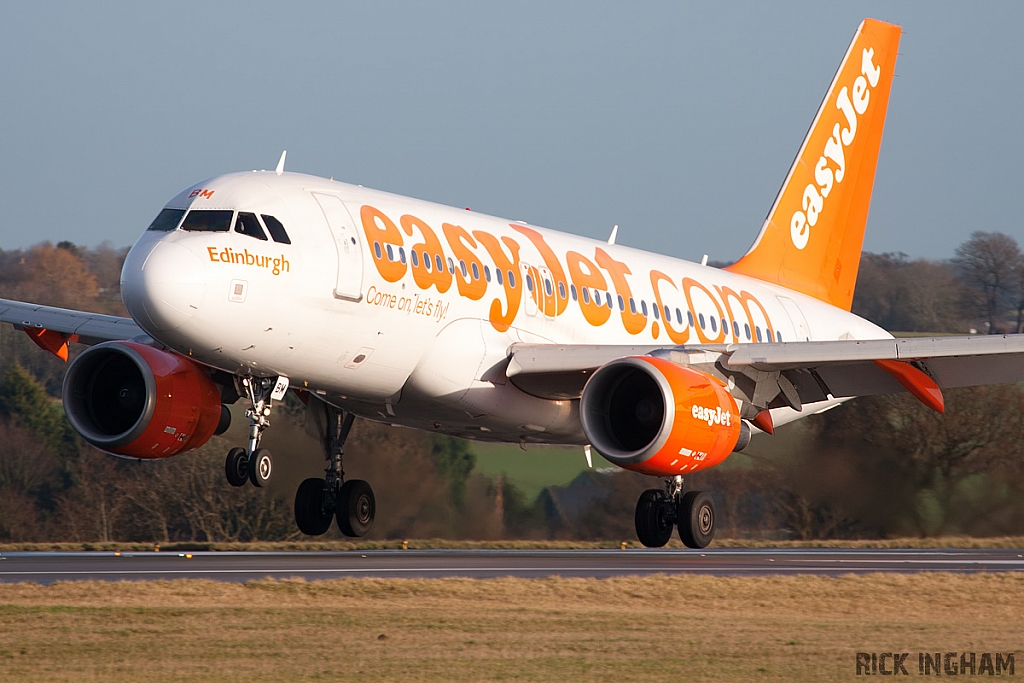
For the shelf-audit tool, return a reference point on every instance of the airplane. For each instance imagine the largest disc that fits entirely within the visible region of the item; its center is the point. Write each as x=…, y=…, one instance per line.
x=371, y=305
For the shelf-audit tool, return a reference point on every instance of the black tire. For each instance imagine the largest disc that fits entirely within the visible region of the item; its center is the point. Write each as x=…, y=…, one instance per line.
x=654, y=519
x=310, y=515
x=356, y=508
x=261, y=467
x=696, y=519
x=236, y=467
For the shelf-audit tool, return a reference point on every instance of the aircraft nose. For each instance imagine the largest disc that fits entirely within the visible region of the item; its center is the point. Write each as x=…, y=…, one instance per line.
x=167, y=289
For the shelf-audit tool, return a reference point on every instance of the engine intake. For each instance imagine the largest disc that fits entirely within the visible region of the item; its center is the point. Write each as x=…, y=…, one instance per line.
x=654, y=416
x=132, y=400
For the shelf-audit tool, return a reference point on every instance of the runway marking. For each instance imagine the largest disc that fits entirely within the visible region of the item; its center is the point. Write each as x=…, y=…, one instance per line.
x=456, y=570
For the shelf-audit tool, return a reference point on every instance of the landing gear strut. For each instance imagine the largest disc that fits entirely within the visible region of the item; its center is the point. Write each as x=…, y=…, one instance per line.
x=255, y=464
x=658, y=511
x=318, y=501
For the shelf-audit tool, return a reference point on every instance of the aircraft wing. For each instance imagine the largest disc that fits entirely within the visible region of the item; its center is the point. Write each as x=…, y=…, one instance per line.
x=809, y=371
x=52, y=328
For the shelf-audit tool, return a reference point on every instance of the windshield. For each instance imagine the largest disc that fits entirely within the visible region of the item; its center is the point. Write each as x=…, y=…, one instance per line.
x=208, y=221
x=167, y=220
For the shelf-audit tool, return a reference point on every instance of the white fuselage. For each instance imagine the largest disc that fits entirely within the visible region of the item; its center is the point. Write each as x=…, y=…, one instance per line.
x=395, y=341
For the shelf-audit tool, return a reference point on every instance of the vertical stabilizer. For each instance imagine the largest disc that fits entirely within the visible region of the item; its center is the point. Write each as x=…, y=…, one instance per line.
x=812, y=237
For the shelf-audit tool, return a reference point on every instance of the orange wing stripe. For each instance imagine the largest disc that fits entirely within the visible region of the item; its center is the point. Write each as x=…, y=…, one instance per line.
x=50, y=341
x=916, y=382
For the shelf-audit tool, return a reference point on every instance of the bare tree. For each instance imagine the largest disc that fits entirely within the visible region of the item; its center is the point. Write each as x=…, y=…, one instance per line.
x=990, y=260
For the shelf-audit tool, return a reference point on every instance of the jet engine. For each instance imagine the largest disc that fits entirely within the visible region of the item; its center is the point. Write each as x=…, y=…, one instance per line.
x=656, y=417
x=136, y=401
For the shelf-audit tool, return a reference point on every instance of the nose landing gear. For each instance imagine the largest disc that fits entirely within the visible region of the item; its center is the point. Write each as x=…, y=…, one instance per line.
x=236, y=467
x=255, y=464
x=318, y=501
x=658, y=511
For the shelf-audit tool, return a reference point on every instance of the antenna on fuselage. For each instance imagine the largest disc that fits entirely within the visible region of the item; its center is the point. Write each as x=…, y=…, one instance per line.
x=615, y=231
x=280, y=164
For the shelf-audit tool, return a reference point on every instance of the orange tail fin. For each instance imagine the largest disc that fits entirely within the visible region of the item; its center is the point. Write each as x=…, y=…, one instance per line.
x=812, y=237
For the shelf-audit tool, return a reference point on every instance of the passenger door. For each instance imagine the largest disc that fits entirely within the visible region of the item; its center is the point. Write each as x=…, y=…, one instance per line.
x=349, y=284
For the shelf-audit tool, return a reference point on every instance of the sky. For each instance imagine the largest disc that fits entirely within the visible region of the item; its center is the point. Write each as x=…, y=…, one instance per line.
x=677, y=121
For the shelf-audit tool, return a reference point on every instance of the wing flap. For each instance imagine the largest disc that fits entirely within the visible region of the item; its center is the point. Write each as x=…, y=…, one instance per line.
x=817, y=370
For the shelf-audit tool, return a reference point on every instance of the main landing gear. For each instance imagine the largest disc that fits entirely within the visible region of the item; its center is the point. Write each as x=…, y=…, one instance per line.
x=255, y=464
x=659, y=511
x=319, y=501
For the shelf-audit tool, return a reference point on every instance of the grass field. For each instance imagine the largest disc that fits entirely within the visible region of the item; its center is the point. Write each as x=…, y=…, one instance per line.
x=541, y=466
x=535, y=468
x=627, y=629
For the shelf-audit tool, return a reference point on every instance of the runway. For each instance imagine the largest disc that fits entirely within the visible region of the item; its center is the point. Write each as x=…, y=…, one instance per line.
x=47, y=567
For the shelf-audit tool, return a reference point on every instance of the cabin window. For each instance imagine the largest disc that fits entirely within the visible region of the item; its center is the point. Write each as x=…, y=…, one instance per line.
x=700, y=317
x=401, y=254
x=208, y=221
x=498, y=276
x=758, y=331
x=778, y=336
x=572, y=291
x=415, y=259
x=276, y=230
x=511, y=279
x=735, y=329
x=476, y=271
x=746, y=329
x=714, y=324
x=622, y=304
x=586, y=295
x=689, y=318
x=438, y=263
x=487, y=273
x=391, y=253
x=529, y=283
x=247, y=224
x=561, y=290
x=376, y=249
x=167, y=220
x=643, y=307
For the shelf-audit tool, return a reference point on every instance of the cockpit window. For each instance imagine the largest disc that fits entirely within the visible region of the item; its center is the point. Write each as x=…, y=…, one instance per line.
x=167, y=220
x=276, y=229
x=208, y=221
x=247, y=224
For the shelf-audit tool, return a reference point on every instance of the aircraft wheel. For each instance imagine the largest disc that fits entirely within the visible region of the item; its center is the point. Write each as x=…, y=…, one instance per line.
x=261, y=467
x=696, y=519
x=236, y=467
x=310, y=515
x=653, y=518
x=356, y=508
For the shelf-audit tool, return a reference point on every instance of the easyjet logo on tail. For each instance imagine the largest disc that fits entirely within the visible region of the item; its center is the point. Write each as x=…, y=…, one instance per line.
x=811, y=239
x=834, y=155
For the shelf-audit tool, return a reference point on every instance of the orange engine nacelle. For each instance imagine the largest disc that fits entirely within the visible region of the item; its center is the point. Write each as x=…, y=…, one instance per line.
x=650, y=415
x=132, y=400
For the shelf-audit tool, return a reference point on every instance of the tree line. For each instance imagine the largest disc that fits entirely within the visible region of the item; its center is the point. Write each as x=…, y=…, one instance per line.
x=979, y=290
x=874, y=467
